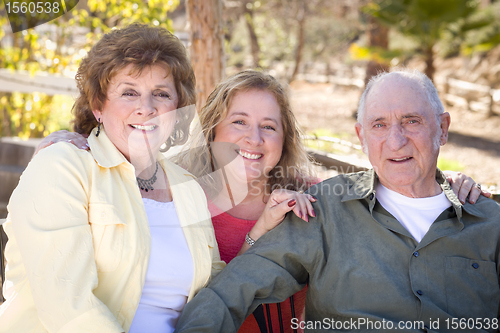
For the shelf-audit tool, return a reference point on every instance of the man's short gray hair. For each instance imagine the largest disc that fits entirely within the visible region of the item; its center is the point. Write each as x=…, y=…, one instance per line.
x=413, y=75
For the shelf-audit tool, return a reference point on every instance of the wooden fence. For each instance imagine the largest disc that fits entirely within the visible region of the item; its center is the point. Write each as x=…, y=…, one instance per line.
x=476, y=97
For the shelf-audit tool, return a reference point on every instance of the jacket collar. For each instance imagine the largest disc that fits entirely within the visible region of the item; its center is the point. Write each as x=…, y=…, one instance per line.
x=104, y=151
x=181, y=182
x=361, y=185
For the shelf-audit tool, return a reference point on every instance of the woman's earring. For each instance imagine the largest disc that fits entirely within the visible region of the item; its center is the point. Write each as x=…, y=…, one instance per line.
x=98, y=127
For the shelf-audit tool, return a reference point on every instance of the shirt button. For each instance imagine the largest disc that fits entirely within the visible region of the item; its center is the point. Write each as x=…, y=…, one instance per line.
x=372, y=196
x=475, y=265
x=416, y=254
x=420, y=292
x=103, y=215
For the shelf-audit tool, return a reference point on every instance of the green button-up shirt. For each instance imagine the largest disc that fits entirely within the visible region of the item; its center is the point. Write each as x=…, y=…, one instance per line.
x=364, y=269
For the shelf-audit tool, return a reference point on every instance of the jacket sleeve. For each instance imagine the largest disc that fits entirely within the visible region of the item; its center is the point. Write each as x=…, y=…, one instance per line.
x=217, y=263
x=275, y=268
x=49, y=214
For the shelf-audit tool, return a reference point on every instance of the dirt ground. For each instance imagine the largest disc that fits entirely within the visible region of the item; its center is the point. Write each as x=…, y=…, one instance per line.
x=474, y=140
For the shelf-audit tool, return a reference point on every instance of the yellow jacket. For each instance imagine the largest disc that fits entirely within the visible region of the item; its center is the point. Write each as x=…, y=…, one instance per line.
x=79, y=240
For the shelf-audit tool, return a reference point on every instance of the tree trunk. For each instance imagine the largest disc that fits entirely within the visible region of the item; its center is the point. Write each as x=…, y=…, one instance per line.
x=254, y=43
x=300, y=42
x=378, y=36
x=207, y=45
x=429, y=62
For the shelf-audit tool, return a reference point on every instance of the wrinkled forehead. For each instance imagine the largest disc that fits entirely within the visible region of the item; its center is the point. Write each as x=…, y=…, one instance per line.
x=396, y=93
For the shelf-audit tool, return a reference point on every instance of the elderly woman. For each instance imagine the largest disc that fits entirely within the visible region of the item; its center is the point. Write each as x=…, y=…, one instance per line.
x=109, y=241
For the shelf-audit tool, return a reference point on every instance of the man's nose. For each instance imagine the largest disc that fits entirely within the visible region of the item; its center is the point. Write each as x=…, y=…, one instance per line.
x=396, y=138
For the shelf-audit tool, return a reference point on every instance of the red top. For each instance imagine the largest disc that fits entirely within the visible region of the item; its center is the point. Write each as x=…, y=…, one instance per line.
x=230, y=234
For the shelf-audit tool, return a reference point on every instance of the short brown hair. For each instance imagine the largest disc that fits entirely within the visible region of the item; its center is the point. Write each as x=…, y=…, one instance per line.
x=142, y=46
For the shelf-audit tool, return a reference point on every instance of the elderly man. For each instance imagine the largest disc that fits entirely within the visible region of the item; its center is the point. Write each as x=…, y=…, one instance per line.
x=390, y=249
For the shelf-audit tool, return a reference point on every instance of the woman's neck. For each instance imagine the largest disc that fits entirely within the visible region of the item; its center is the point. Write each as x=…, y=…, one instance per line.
x=249, y=207
x=152, y=180
x=248, y=210
x=144, y=164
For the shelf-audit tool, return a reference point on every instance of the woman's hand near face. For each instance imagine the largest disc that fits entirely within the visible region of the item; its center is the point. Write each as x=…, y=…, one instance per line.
x=79, y=140
x=281, y=202
x=464, y=185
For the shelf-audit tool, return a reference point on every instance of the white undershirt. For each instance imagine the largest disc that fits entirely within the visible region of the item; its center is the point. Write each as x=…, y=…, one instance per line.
x=169, y=275
x=415, y=214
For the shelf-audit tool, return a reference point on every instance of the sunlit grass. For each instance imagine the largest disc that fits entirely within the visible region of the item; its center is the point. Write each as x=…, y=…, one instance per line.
x=446, y=164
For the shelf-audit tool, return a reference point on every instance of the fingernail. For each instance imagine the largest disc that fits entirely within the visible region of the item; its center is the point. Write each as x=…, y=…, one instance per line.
x=87, y=145
x=313, y=213
x=314, y=197
x=84, y=147
x=292, y=203
x=300, y=214
x=306, y=218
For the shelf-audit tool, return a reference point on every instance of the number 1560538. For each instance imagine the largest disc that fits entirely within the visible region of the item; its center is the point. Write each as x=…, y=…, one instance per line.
x=38, y=7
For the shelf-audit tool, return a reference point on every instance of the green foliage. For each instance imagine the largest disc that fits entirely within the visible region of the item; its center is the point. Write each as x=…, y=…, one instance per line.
x=452, y=165
x=488, y=35
x=35, y=115
x=377, y=54
x=424, y=20
x=451, y=24
x=53, y=48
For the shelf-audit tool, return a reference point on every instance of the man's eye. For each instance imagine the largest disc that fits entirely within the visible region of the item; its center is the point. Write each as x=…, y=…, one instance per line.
x=412, y=121
x=378, y=125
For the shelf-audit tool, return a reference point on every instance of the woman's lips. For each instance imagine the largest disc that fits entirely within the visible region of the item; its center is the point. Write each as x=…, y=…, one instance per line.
x=249, y=156
x=143, y=127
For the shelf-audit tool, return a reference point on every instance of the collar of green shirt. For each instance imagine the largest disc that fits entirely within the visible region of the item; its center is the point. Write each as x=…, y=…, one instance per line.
x=364, y=186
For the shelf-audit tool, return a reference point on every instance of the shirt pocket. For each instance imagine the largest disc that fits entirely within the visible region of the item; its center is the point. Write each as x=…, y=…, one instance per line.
x=108, y=236
x=472, y=289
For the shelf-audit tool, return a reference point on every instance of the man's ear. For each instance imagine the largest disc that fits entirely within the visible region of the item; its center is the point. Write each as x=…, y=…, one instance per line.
x=359, y=132
x=445, y=125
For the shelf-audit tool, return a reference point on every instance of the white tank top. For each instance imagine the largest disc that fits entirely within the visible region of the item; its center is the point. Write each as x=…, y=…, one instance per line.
x=169, y=275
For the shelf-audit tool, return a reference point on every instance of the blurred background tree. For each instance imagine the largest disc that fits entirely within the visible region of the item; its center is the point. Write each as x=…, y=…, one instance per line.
x=284, y=34
x=207, y=45
x=428, y=21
